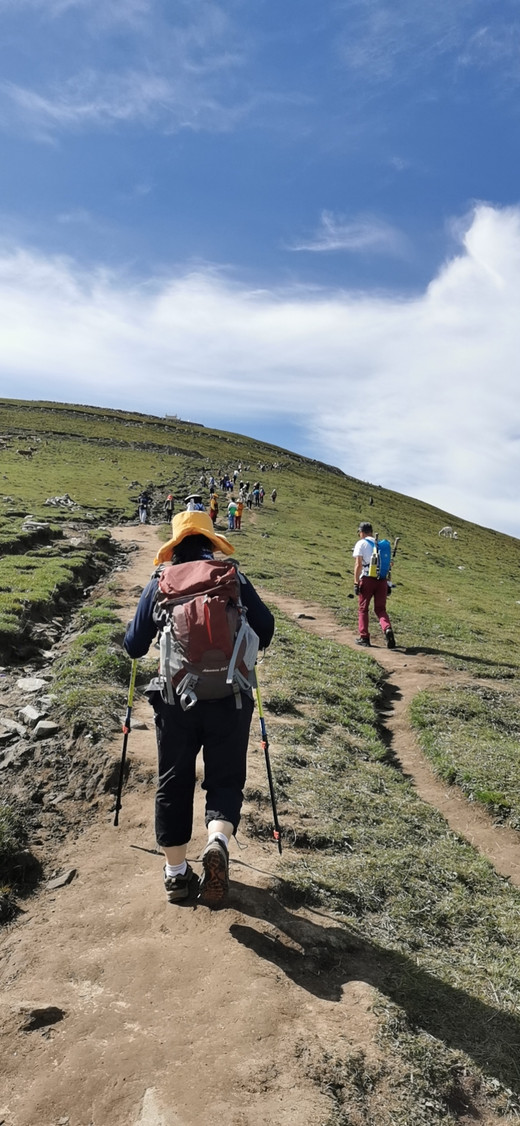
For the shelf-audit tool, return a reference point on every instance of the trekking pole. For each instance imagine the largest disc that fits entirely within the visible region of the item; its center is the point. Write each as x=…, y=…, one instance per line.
x=126, y=732
x=396, y=541
x=277, y=832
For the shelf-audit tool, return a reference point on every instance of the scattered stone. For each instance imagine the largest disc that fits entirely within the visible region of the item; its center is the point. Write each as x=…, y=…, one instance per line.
x=30, y=716
x=40, y=1016
x=63, y=880
x=64, y=502
x=31, y=684
x=12, y=725
x=46, y=701
x=14, y=756
x=45, y=728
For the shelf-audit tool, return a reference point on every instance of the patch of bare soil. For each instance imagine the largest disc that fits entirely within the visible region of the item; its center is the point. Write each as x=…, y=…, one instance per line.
x=119, y=1009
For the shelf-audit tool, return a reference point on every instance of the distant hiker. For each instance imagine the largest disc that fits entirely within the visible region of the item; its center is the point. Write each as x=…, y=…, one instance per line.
x=232, y=511
x=211, y=483
x=274, y=495
x=169, y=506
x=203, y=709
x=256, y=497
x=213, y=507
x=194, y=503
x=144, y=502
x=238, y=514
x=369, y=586
x=249, y=500
x=261, y=492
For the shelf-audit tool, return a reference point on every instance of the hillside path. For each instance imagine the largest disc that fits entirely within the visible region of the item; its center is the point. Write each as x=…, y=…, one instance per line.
x=175, y=1015
x=172, y=1014
x=408, y=675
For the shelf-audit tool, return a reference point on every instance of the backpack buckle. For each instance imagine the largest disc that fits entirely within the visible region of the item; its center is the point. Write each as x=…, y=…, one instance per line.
x=188, y=700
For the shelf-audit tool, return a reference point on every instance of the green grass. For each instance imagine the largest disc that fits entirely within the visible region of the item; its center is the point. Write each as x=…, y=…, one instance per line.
x=90, y=680
x=425, y=919
x=38, y=583
x=471, y=736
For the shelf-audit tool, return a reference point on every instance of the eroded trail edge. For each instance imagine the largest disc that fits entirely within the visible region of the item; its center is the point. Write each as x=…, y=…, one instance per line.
x=408, y=675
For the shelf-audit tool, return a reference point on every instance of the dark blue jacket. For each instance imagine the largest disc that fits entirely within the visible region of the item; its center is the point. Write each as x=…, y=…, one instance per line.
x=142, y=631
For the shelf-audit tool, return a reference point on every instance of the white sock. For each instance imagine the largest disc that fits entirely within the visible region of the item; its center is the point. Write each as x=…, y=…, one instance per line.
x=173, y=870
x=219, y=837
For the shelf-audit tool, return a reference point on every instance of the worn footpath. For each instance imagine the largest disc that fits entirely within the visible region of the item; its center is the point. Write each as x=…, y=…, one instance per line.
x=119, y=1009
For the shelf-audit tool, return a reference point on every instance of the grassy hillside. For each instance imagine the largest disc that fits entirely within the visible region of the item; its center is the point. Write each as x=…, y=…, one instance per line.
x=423, y=918
x=457, y=598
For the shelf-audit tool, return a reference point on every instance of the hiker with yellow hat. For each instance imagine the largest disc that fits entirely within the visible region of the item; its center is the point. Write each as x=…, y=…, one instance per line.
x=211, y=622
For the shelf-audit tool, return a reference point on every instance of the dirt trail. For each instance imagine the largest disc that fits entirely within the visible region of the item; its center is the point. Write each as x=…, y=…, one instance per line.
x=173, y=1015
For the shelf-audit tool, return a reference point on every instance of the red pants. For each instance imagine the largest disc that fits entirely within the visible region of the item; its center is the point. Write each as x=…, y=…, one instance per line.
x=378, y=589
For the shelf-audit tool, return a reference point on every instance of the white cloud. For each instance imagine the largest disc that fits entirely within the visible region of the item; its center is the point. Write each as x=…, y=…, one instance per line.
x=390, y=40
x=364, y=233
x=418, y=394
x=183, y=69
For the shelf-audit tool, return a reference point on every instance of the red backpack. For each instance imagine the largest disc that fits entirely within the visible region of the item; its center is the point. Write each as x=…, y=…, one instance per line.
x=207, y=647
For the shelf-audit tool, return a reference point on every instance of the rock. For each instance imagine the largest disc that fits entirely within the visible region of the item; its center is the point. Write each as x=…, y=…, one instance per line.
x=308, y=617
x=63, y=502
x=63, y=880
x=12, y=725
x=46, y=701
x=45, y=728
x=30, y=716
x=14, y=756
x=31, y=684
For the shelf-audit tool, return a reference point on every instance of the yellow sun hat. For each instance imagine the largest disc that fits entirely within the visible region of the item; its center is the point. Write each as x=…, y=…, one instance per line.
x=192, y=524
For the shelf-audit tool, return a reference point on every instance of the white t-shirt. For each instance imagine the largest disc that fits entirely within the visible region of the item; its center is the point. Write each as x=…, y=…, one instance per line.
x=364, y=548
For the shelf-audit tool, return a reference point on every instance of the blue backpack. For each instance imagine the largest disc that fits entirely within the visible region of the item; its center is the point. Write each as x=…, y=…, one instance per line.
x=383, y=549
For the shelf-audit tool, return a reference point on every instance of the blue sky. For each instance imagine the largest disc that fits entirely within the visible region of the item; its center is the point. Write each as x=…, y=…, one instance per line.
x=292, y=220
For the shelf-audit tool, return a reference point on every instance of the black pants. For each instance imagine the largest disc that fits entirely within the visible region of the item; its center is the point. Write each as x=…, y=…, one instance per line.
x=222, y=731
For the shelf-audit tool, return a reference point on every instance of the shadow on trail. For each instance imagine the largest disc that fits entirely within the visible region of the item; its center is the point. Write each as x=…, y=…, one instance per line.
x=322, y=959
x=426, y=650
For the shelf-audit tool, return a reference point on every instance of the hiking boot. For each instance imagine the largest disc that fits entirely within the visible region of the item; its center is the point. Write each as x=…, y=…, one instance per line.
x=390, y=639
x=363, y=641
x=214, y=883
x=178, y=887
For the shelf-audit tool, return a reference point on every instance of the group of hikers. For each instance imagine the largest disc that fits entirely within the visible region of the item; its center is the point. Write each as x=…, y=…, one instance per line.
x=247, y=495
x=211, y=623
